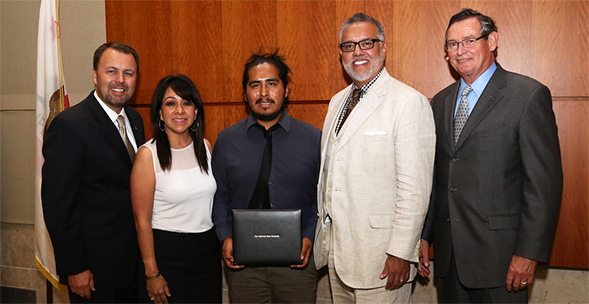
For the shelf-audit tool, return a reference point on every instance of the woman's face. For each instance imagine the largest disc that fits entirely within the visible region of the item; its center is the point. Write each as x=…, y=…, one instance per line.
x=178, y=114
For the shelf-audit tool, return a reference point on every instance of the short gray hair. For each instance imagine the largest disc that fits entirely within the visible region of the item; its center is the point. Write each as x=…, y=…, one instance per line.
x=361, y=17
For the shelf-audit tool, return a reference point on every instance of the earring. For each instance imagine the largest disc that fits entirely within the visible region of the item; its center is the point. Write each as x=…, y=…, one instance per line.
x=194, y=126
x=162, y=125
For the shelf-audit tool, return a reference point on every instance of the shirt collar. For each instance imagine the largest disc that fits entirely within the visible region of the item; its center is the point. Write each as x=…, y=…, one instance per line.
x=479, y=85
x=367, y=86
x=110, y=112
x=284, y=121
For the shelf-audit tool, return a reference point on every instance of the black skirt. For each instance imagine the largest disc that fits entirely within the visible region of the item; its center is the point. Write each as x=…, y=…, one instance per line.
x=190, y=263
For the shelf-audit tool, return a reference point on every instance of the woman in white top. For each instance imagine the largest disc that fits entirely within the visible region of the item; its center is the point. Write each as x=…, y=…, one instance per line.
x=172, y=189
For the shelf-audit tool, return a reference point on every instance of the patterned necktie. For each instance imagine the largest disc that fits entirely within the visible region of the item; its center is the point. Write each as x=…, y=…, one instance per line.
x=461, y=114
x=351, y=105
x=123, y=133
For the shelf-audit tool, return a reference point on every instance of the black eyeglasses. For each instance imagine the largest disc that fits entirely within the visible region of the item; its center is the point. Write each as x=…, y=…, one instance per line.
x=466, y=43
x=365, y=44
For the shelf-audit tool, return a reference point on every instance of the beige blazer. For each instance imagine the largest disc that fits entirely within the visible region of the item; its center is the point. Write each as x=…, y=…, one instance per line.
x=381, y=166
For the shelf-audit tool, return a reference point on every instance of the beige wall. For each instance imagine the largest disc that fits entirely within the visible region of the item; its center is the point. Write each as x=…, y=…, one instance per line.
x=82, y=30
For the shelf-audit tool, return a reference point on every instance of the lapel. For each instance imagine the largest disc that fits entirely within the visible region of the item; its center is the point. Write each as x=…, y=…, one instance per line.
x=139, y=138
x=488, y=99
x=108, y=130
x=367, y=105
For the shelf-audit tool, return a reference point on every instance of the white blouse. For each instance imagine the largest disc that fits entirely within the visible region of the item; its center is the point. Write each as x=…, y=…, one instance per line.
x=183, y=200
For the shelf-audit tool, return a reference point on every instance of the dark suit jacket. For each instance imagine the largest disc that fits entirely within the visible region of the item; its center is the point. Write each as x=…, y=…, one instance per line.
x=498, y=192
x=86, y=197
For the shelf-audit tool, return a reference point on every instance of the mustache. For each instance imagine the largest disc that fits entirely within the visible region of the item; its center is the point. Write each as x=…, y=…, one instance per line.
x=119, y=86
x=363, y=57
x=265, y=99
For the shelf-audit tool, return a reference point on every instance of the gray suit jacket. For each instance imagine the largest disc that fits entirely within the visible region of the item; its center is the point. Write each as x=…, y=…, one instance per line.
x=497, y=192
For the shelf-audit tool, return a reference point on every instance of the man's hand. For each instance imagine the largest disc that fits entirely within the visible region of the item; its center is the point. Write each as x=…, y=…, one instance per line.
x=397, y=270
x=305, y=253
x=228, y=253
x=82, y=283
x=424, y=259
x=520, y=273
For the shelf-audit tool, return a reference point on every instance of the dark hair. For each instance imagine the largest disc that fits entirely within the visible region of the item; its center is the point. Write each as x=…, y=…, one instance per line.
x=487, y=24
x=117, y=46
x=361, y=17
x=273, y=59
x=186, y=89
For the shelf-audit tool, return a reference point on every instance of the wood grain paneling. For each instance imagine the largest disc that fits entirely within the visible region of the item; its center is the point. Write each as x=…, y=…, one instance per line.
x=415, y=41
x=571, y=248
x=210, y=41
x=560, y=46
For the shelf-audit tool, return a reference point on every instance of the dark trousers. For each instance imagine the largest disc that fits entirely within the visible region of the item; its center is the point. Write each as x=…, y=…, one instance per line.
x=125, y=295
x=451, y=290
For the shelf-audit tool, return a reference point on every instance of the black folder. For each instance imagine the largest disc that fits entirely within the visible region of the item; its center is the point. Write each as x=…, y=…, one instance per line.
x=265, y=237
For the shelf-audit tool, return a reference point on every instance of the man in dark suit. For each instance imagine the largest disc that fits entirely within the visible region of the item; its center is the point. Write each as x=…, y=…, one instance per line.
x=498, y=173
x=89, y=154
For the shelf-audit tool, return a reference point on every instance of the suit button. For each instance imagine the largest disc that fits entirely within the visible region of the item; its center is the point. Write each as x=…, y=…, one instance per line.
x=452, y=190
x=455, y=160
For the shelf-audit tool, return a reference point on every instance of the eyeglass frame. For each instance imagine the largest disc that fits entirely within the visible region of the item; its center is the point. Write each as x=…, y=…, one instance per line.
x=357, y=44
x=462, y=42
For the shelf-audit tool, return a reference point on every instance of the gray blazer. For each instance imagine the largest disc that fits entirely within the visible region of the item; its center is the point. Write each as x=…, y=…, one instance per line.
x=498, y=192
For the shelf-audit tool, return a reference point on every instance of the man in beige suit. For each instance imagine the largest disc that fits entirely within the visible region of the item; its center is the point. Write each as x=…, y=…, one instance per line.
x=376, y=172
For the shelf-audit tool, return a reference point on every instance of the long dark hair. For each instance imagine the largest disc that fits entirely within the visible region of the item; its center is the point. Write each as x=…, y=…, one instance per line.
x=186, y=89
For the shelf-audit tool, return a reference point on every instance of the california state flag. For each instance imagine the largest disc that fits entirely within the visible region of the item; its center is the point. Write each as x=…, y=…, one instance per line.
x=51, y=99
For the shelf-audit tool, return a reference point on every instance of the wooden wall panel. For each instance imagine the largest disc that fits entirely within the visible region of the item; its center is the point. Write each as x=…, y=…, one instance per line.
x=311, y=45
x=171, y=37
x=570, y=245
x=415, y=41
x=210, y=41
x=560, y=46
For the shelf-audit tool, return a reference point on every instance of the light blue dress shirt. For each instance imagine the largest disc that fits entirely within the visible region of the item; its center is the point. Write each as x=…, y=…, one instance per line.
x=478, y=86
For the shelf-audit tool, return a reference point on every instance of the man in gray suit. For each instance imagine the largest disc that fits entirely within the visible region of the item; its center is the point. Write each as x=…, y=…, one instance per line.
x=498, y=173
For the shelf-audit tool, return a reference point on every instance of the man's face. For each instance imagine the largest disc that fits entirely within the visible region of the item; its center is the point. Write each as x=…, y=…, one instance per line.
x=115, y=78
x=265, y=94
x=362, y=65
x=470, y=63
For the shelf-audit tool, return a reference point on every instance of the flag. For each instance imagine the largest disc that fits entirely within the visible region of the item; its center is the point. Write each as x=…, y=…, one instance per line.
x=51, y=99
